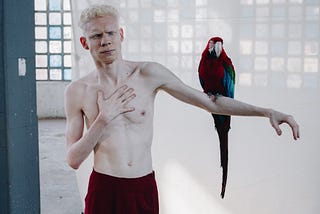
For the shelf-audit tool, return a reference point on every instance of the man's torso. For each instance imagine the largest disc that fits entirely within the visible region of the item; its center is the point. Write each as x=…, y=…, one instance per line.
x=124, y=148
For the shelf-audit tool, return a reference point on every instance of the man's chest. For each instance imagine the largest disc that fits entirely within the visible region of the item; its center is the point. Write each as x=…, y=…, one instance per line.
x=142, y=103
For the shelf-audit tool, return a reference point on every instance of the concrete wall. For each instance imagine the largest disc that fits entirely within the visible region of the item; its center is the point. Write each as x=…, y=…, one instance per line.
x=50, y=99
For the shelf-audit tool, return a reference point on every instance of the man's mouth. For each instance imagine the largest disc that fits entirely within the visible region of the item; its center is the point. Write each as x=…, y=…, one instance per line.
x=107, y=52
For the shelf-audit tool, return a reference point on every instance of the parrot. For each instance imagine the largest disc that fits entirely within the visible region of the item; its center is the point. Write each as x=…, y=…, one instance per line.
x=217, y=77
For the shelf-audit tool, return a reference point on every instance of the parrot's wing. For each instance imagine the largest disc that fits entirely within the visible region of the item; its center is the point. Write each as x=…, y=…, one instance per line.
x=201, y=82
x=229, y=78
x=201, y=66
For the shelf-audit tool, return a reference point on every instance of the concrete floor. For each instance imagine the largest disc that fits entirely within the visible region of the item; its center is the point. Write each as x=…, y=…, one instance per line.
x=59, y=190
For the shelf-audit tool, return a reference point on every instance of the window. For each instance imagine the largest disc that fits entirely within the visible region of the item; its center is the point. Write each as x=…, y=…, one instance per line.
x=286, y=48
x=165, y=34
x=53, y=40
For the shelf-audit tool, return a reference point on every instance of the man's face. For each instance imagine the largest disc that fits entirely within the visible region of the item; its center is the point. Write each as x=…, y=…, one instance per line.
x=103, y=38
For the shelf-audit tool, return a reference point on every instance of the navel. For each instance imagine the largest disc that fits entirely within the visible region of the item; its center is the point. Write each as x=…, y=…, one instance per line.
x=130, y=163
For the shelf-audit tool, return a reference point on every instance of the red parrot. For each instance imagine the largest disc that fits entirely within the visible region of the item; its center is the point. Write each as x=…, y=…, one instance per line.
x=217, y=77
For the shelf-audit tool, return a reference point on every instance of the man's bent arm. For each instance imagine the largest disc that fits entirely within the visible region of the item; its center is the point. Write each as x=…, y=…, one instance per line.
x=79, y=146
x=79, y=150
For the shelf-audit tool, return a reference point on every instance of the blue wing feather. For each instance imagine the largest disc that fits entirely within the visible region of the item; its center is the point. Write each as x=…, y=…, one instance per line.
x=229, y=81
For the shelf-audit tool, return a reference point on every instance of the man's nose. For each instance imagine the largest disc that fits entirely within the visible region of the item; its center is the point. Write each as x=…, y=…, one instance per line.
x=106, y=40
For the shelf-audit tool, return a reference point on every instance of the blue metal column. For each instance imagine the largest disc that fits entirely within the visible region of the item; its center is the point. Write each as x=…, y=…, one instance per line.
x=3, y=137
x=19, y=159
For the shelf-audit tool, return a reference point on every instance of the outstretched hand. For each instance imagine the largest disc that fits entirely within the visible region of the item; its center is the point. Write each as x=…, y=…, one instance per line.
x=277, y=118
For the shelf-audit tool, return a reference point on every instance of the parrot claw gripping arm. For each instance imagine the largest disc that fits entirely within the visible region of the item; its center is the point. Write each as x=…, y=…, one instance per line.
x=215, y=97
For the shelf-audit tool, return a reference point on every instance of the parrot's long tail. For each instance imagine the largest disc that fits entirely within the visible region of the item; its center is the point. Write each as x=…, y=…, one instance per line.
x=223, y=129
x=223, y=138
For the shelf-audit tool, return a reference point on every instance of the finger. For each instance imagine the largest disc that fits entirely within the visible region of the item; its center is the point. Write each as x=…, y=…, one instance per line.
x=298, y=132
x=295, y=130
x=120, y=91
x=128, y=109
x=295, y=134
x=128, y=99
x=124, y=87
x=294, y=127
x=277, y=128
x=127, y=93
x=100, y=96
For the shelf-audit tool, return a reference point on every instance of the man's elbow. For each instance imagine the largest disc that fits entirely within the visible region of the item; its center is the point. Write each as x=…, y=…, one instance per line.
x=74, y=164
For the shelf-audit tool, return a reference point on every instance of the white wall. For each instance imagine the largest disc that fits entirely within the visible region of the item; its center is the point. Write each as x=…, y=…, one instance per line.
x=267, y=173
x=50, y=99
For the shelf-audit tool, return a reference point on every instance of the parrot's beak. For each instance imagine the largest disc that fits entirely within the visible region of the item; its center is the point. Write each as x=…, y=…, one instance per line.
x=218, y=48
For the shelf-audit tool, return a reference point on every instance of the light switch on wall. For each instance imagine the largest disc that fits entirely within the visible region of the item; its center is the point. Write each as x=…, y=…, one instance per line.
x=22, y=66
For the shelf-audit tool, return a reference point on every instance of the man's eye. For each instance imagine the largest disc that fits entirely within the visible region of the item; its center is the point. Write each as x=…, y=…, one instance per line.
x=96, y=36
x=111, y=33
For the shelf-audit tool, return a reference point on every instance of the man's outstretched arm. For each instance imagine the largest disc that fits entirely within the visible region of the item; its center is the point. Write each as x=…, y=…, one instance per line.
x=276, y=118
x=168, y=82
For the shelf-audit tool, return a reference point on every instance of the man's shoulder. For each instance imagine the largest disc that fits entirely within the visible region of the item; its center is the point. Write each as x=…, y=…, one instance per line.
x=144, y=64
x=149, y=67
x=149, y=64
x=79, y=85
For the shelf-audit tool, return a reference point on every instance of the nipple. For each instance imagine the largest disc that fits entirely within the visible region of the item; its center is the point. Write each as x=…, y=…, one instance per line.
x=143, y=113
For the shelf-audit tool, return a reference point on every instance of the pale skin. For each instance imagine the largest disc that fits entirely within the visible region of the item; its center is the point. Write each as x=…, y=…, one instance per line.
x=116, y=103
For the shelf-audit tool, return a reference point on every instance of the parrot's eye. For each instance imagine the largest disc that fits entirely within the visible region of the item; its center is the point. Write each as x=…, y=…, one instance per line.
x=211, y=44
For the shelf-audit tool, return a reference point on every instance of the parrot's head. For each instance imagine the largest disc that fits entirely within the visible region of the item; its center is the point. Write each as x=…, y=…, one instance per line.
x=216, y=44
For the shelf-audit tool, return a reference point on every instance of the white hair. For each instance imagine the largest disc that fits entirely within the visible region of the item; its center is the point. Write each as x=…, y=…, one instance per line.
x=94, y=11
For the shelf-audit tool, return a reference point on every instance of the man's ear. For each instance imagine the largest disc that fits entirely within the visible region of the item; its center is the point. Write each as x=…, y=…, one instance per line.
x=121, y=34
x=83, y=42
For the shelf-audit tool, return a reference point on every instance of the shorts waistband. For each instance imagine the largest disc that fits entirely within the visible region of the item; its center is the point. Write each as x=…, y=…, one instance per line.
x=104, y=181
x=114, y=178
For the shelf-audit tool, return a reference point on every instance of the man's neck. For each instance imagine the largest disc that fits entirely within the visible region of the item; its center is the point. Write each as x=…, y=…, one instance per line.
x=112, y=73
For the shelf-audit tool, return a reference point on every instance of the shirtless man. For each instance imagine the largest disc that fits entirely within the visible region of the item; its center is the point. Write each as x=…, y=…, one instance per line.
x=116, y=103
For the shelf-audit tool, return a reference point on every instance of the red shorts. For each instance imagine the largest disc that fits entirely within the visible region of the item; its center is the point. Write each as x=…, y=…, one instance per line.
x=113, y=195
